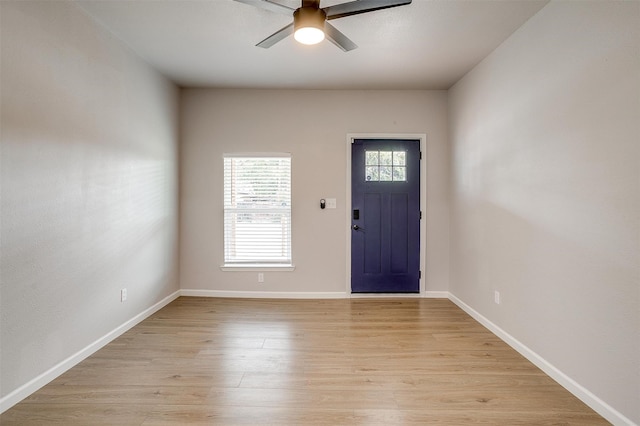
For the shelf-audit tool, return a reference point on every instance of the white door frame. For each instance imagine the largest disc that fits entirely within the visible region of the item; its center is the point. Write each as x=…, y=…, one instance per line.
x=422, y=137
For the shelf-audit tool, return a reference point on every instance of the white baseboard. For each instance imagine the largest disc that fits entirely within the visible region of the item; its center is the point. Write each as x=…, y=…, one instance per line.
x=436, y=294
x=384, y=295
x=264, y=294
x=597, y=404
x=306, y=294
x=33, y=385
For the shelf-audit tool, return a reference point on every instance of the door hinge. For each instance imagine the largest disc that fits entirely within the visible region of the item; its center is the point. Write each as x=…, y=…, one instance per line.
x=421, y=155
x=419, y=275
x=420, y=215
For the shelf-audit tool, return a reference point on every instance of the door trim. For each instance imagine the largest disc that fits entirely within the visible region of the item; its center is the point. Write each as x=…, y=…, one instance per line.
x=422, y=137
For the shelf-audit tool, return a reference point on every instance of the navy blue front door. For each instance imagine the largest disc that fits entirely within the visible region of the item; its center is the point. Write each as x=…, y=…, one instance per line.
x=385, y=216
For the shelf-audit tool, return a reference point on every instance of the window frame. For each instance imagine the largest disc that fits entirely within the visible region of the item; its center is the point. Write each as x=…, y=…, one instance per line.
x=257, y=265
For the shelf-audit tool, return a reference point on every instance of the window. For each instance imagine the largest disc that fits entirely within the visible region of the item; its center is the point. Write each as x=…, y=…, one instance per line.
x=385, y=166
x=257, y=210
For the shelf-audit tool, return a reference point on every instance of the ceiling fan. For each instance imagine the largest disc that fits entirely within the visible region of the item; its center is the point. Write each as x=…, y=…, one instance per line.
x=310, y=24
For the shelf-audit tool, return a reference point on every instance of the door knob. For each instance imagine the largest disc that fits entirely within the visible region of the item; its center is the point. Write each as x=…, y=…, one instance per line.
x=355, y=227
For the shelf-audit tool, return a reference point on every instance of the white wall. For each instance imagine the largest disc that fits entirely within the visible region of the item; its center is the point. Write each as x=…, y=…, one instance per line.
x=313, y=126
x=545, y=139
x=89, y=187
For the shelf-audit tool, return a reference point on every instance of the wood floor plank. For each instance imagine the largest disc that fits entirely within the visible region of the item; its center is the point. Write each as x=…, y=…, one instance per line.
x=266, y=416
x=122, y=394
x=203, y=361
x=72, y=414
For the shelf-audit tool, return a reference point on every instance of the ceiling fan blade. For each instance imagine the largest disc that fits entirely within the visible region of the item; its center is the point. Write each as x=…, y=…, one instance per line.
x=269, y=5
x=360, y=6
x=337, y=38
x=276, y=37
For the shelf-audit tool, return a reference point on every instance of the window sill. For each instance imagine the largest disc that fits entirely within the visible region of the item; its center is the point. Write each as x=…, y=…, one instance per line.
x=257, y=267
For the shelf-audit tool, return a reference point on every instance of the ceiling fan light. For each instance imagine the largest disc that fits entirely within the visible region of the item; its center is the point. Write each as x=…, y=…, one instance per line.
x=308, y=24
x=309, y=35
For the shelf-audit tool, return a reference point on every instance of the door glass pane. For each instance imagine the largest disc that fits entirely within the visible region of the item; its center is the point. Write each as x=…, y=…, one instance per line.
x=372, y=158
x=385, y=158
x=399, y=158
x=386, y=173
x=400, y=174
x=371, y=174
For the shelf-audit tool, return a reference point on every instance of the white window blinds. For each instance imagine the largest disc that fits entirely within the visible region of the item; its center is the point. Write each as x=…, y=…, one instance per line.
x=257, y=210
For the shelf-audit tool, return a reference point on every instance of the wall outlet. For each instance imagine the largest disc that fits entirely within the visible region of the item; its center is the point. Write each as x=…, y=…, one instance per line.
x=123, y=295
x=496, y=297
x=260, y=277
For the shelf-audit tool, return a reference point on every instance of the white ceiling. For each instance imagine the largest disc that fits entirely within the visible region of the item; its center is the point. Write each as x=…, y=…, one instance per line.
x=429, y=44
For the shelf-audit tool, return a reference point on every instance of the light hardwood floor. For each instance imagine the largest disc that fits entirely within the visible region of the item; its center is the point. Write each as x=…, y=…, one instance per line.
x=299, y=362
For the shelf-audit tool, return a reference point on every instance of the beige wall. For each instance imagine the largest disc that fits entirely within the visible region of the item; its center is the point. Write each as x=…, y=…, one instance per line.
x=545, y=137
x=313, y=127
x=89, y=187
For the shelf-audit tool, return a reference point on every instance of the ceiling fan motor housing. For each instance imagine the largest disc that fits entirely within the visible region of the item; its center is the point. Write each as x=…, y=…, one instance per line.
x=309, y=17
